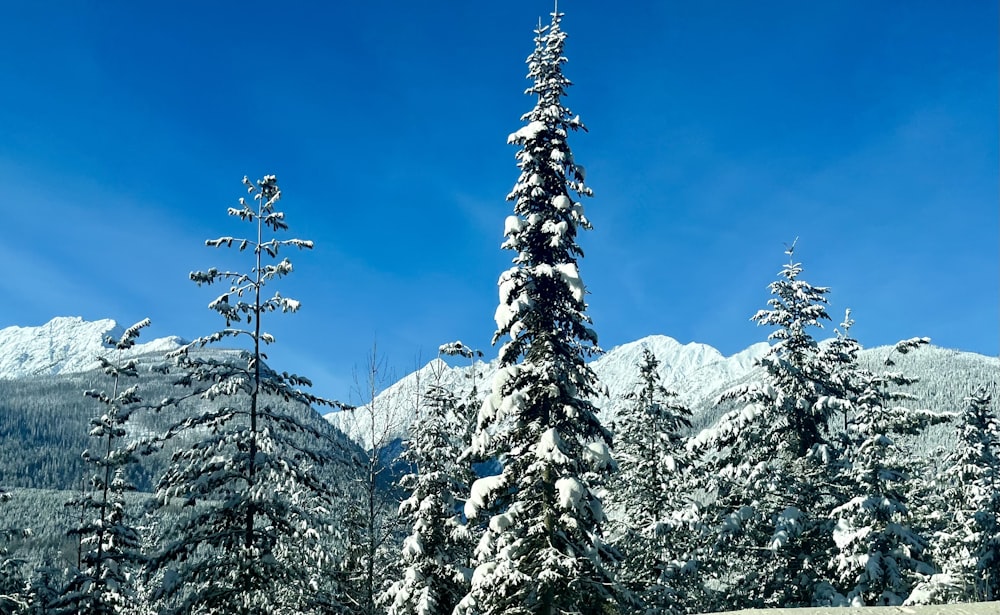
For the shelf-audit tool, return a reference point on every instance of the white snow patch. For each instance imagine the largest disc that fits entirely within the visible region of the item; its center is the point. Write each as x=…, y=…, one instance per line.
x=598, y=455
x=562, y=202
x=480, y=493
x=412, y=546
x=844, y=534
x=482, y=572
x=571, y=491
x=571, y=276
x=549, y=448
x=499, y=523
x=526, y=133
x=513, y=225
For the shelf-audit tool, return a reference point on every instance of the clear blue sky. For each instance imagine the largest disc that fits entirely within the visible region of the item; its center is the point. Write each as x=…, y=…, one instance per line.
x=718, y=132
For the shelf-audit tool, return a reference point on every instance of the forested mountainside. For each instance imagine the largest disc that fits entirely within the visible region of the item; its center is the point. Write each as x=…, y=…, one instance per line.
x=45, y=421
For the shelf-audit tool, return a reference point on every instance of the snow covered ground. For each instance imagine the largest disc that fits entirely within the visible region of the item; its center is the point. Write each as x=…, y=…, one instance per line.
x=971, y=608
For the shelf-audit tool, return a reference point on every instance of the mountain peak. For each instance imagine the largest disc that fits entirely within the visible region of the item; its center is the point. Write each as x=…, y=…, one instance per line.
x=671, y=354
x=691, y=370
x=65, y=344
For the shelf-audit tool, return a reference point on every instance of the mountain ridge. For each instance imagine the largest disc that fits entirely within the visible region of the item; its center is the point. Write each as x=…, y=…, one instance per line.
x=698, y=373
x=693, y=371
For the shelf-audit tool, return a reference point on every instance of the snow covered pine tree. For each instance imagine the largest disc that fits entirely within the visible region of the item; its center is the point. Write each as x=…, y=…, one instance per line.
x=879, y=555
x=543, y=552
x=649, y=492
x=436, y=553
x=247, y=460
x=103, y=584
x=771, y=458
x=968, y=546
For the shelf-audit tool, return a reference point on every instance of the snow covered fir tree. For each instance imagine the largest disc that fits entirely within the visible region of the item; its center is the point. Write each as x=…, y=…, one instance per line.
x=769, y=459
x=247, y=464
x=651, y=494
x=879, y=554
x=966, y=541
x=435, y=556
x=542, y=551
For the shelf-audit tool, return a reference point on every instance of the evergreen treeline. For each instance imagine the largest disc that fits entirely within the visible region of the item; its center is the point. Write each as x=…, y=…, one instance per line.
x=806, y=488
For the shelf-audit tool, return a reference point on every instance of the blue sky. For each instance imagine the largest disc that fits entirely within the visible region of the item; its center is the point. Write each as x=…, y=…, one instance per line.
x=719, y=131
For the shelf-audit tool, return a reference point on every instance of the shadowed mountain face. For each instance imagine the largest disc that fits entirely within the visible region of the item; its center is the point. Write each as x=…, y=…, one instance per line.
x=45, y=417
x=45, y=422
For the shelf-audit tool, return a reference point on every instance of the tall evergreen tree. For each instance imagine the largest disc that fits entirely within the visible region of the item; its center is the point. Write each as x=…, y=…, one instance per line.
x=543, y=551
x=649, y=446
x=246, y=459
x=102, y=583
x=771, y=458
x=650, y=493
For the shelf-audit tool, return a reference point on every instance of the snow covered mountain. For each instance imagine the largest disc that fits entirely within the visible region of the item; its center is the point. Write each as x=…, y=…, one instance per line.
x=64, y=345
x=694, y=371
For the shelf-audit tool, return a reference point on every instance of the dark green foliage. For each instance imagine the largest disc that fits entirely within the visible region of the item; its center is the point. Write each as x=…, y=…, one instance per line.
x=43, y=429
